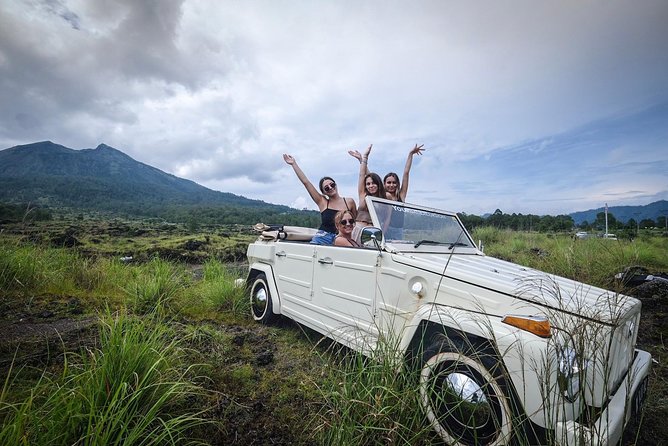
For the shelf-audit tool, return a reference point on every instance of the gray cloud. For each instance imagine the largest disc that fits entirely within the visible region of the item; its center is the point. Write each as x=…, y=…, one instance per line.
x=217, y=91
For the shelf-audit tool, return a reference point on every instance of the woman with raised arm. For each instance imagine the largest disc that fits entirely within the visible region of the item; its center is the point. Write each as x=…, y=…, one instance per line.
x=394, y=190
x=345, y=223
x=328, y=200
x=368, y=184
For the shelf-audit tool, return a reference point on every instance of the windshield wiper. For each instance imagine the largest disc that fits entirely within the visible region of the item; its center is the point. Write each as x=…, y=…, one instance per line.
x=434, y=242
x=428, y=242
x=452, y=245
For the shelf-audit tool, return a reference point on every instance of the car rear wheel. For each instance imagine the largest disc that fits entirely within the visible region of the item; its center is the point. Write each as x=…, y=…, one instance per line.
x=463, y=400
x=260, y=300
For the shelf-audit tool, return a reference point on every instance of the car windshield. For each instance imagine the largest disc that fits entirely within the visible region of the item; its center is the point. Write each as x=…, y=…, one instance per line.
x=408, y=227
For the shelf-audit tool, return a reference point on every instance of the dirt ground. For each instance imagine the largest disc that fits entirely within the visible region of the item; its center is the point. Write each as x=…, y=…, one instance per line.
x=37, y=334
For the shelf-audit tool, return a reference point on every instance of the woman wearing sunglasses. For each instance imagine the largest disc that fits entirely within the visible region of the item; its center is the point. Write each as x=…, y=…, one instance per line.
x=329, y=202
x=345, y=222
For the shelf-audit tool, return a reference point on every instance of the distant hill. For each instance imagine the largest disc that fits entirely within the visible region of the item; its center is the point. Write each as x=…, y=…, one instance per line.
x=625, y=213
x=106, y=179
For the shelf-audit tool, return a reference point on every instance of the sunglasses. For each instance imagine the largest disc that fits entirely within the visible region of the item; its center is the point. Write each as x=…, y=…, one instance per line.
x=329, y=187
x=347, y=222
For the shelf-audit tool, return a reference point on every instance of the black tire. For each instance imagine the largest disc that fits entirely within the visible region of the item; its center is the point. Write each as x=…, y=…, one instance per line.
x=260, y=300
x=463, y=397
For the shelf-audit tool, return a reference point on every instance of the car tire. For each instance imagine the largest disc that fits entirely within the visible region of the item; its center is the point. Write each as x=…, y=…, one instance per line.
x=463, y=397
x=260, y=300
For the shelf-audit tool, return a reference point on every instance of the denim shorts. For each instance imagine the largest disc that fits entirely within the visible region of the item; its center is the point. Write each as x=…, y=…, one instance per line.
x=323, y=238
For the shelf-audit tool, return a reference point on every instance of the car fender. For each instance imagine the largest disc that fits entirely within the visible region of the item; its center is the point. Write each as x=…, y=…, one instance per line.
x=510, y=345
x=268, y=271
x=471, y=324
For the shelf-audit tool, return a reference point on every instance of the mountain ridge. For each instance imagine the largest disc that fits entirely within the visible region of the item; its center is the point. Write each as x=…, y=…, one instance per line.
x=106, y=179
x=624, y=213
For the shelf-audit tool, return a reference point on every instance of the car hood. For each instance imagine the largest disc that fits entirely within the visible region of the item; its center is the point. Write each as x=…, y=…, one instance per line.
x=496, y=284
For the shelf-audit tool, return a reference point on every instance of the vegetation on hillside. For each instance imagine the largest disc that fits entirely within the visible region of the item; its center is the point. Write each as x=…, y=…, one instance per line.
x=104, y=179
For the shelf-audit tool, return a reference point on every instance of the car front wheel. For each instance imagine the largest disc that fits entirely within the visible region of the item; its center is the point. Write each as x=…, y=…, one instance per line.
x=463, y=400
x=260, y=300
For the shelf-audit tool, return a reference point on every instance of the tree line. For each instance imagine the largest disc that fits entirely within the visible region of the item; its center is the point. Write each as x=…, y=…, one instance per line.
x=190, y=215
x=559, y=223
x=520, y=222
x=194, y=216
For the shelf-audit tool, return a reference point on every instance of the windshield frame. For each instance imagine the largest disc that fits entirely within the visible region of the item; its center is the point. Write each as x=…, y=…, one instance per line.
x=460, y=240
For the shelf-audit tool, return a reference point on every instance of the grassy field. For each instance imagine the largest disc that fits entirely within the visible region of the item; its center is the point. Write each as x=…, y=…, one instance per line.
x=162, y=350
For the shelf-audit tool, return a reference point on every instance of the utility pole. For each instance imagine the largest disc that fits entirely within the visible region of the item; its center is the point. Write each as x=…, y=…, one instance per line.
x=606, y=220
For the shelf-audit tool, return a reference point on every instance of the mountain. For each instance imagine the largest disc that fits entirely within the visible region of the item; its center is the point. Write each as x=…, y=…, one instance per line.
x=625, y=213
x=106, y=179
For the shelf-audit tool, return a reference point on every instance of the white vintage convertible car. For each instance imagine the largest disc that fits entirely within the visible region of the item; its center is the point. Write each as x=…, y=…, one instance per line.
x=505, y=354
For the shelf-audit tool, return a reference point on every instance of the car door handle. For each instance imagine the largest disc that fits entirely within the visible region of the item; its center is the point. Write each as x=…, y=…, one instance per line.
x=326, y=261
x=280, y=254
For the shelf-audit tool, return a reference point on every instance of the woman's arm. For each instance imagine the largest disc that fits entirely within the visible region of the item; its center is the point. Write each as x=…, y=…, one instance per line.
x=407, y=170
x=352, y=206
x=340, y=241
x=361, y=189
x=358, y=156
x=310, y=188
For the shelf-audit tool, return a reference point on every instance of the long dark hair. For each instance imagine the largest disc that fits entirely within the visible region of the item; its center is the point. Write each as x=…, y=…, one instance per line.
x=375, y=178
x=322, y=180
x=392, y=174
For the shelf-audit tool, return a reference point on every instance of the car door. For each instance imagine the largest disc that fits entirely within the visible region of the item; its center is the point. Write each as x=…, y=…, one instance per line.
x=344, y=295
x=293, y=272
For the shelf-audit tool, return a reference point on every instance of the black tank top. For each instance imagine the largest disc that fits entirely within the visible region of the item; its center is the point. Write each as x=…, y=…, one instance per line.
x=327, y=218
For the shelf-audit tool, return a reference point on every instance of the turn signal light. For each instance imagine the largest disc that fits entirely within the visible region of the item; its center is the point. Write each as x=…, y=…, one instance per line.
x=538, y=325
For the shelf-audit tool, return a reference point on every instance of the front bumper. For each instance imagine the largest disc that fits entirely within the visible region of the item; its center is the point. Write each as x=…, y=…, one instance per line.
x=608, y=428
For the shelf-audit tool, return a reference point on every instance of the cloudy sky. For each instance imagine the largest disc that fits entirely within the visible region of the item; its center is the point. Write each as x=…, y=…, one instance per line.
x=542, y=107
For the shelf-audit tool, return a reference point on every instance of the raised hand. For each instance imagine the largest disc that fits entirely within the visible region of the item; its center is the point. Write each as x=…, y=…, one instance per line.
x=355, y=154
x=417, y=150
x=288, y=159
x=368, y=151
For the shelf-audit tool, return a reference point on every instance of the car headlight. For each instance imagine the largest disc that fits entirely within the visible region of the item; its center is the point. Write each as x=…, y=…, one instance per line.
x=569, y=372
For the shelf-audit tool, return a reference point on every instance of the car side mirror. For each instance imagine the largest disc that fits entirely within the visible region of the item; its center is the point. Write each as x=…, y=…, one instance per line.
x=373, y=235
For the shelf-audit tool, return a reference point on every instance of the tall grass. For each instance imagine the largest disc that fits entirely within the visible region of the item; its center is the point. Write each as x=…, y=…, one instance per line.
x=131, y=390
x=155, y=285
x=216, y=293
x=31, y=268
x=369, y=401
x=594, y=261
x=39, y=270
x=28, y=270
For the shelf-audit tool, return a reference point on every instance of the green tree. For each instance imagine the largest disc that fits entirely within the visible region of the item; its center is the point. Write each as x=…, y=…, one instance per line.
x=661, y=222
x=496, y=219
x=599, y=223
x=647, y=223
